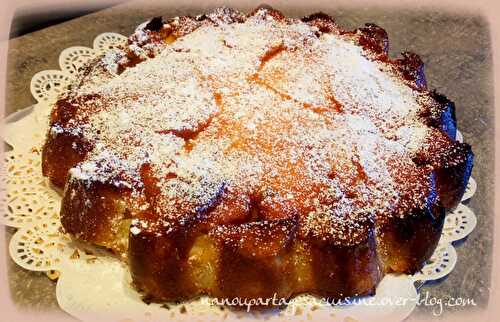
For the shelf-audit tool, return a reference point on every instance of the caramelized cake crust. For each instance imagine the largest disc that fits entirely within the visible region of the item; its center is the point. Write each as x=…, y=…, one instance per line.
x=252, y=155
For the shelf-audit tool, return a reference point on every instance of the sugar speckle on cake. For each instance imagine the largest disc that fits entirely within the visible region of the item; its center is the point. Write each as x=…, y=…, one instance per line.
x=304, y=120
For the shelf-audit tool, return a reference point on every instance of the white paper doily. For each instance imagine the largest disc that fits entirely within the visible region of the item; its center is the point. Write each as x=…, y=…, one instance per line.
x=93, y=284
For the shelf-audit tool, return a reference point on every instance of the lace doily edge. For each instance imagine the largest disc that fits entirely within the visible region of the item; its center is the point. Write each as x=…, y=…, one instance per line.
x=57, y=79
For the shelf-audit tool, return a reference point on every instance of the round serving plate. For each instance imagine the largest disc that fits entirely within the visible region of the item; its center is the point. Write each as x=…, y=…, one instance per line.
x=91, y=283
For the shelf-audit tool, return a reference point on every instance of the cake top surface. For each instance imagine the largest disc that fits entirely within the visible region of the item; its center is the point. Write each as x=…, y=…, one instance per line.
x=267, y=119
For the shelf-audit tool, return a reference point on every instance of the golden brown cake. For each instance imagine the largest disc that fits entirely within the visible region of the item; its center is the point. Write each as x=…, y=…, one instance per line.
x=256, y=155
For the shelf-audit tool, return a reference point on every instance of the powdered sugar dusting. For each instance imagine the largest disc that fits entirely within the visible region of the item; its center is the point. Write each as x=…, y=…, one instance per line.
x=304, y=125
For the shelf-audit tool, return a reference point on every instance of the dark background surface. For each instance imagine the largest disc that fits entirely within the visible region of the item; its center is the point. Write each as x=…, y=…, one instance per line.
x=26, y=21
x=457, y=53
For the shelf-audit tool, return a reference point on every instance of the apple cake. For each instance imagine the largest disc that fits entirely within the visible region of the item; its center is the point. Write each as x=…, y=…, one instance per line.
x=254, y=155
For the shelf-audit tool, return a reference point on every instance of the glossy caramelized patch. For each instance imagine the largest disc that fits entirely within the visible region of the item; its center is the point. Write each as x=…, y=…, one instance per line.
x=264, y=120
